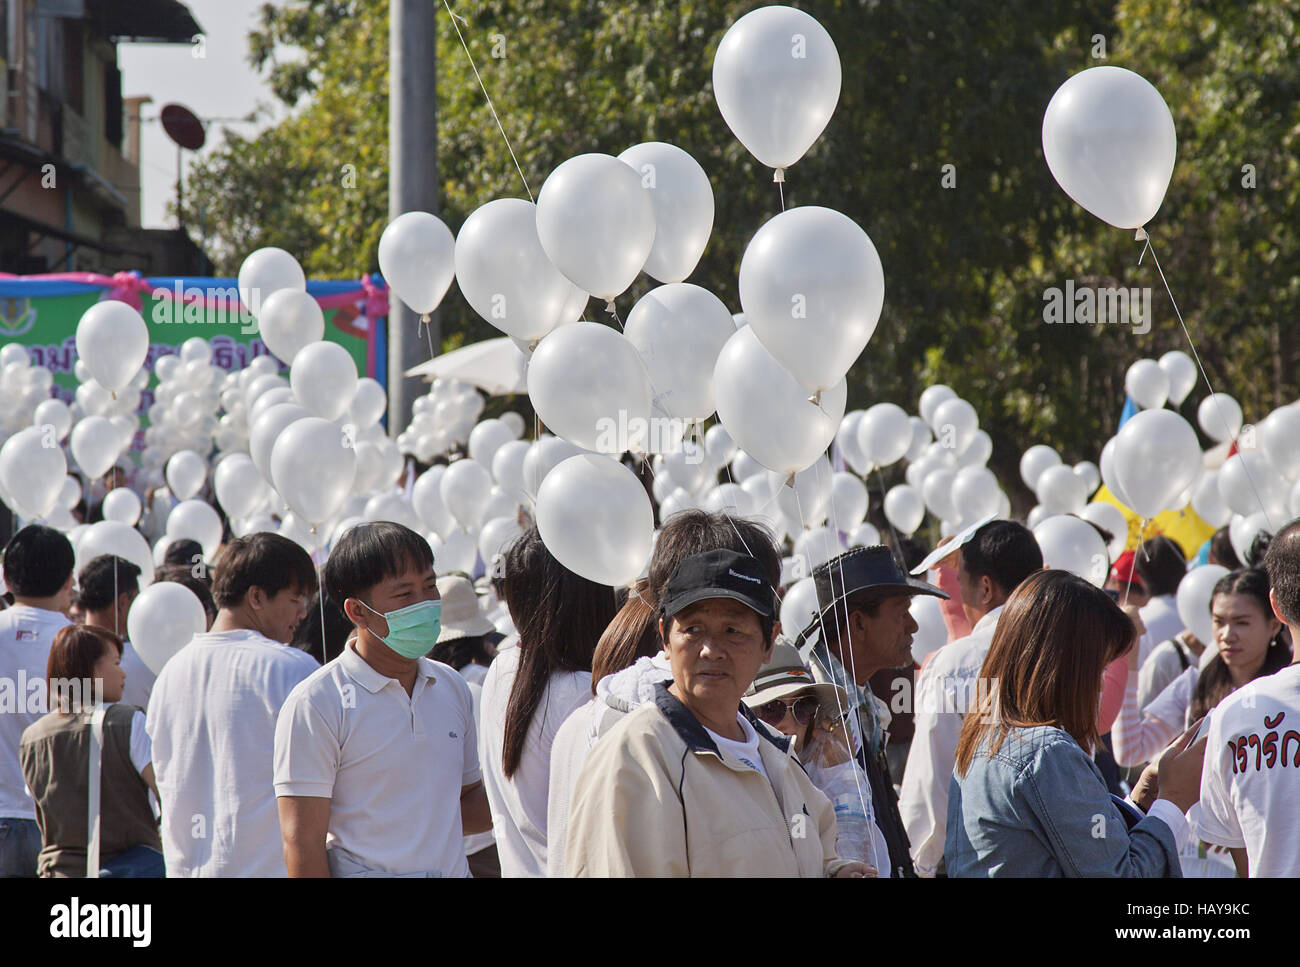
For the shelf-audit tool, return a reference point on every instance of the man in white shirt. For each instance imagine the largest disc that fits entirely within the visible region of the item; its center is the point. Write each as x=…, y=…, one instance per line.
x=38, y=565
x=213, y=710
x=1161, y=565
x=106, y=588
x=990, y=566
x=1250, y=783
x=376, y=762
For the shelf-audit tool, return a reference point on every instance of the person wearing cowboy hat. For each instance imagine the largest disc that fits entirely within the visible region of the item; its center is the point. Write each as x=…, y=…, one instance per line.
x=786, y=697
x=864, y=626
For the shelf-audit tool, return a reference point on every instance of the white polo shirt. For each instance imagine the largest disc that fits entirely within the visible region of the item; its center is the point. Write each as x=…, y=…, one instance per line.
x=392, y=765
x=26, y=634
x=212, y=719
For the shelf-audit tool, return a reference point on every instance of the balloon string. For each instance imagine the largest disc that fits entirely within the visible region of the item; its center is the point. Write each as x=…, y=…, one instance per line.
x=1141, y=531
x=892, y=533
x=1218, y=405
x=780, y=187
x=491, y=107
x=320, y=596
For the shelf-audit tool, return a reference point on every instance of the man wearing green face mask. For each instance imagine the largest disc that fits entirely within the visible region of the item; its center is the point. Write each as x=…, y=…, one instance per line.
x=370, y=749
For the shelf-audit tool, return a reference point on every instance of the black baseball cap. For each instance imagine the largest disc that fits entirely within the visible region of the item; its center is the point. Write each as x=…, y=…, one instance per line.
x=719, y=573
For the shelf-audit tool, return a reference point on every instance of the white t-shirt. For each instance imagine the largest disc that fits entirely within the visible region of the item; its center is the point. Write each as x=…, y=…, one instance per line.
x=212, y=721
x=1160, y=668
x=475, y=842
x=139, y=679
x=519, y=803
x=392, y=765
x=745, y=750
x=1250, y=783
x=26, y=634
x=1160, y=616
x=474, y=674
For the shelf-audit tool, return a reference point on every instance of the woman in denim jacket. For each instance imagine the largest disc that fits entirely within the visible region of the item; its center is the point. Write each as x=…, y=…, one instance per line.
x=1026, y=798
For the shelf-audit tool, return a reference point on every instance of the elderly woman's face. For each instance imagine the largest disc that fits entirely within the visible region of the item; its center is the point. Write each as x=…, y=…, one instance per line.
x=716, y=648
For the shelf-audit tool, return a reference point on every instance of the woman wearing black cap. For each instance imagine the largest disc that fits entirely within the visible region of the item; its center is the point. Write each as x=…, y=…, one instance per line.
x=693, y=784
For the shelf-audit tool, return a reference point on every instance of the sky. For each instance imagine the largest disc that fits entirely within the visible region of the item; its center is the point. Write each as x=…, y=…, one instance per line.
x=221, y=84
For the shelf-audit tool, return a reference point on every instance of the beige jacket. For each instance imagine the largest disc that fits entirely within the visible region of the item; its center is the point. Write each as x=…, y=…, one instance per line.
x=656, y=797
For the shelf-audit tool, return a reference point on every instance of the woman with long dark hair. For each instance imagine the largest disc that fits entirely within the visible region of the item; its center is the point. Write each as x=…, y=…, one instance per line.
x=530, y=690
x=1027, y=799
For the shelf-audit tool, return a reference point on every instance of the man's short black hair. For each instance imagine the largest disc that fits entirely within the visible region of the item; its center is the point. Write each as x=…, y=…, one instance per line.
x=267, y=561
x=184, y=551
x=370, y=553
x=1161, y=565
x=1282, y=561
x=1003, y=551
x=38, y=561
x=99, y=585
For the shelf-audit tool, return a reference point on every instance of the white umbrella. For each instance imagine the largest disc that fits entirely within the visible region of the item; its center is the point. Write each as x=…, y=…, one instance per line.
x=495, y=366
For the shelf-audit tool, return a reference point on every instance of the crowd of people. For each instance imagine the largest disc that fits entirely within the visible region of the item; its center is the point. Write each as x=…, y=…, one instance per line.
x=375, y=722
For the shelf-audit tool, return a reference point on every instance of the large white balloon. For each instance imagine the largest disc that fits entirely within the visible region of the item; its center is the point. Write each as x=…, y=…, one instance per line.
x=1193, y=600
x=113, y=341
x=884, y=434
x=1249, y=483
x=32, y=472
x=1147, y=383
x=496, y=535
x=1208, y=502
x=290, y=320
x=931, y=632
x=544, y=456
x=508, y=468
x=324, y=377
x=505, y=274
x=683, y=207
x=904, y=508
x=975, y=493
x=679, y=329
x=1279, y=439
x=264, y=431
x=848, y=501
x=186, y=472
x=122, y=504
x=369, y=401
x=122, y=540
x=930, y=399
x=1220, y=417
x=465, y=488
x=719, y=445
x=1060, y=490
x=595, y=517
x=313, y=464
x=95, y=444
x=846, y=438
x=163, y=620
x=596, y=223
x=486, y=438
x=614, y=392
x=239, y=486
x=1157, y=457
x=1110, y=518
x=417, y=255
x=799, y=606
x=1109, y=141
x=812, y=288
x=53, y=414
x=1181, y=370
x=196, y=520
x=955, y=424
x=776, y=78
x=265, y=272
x=767, y=411
x=1073, y=545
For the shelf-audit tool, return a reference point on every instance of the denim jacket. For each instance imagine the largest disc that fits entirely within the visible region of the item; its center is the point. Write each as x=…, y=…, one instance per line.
x=1039, y=807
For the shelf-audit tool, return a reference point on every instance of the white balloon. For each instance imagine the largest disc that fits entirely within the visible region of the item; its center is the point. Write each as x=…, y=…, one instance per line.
x=1220, y=417
x=122, y=504
x=113, y=341
x=426, y=498
x=615, y=399
x=937, y=491
x=719, y=445
x=683, y=207
x=864, y=535
x=1106, y=464
x=766, y=410
x=955, y=423
x=265, y=272
x=513, y=420
x=1110, y=518
x=508, y=468
x=196, y=520
x=1147, y=383
x=743, y=466
x=543, y=457
x=324, y=377
x=812, y=288
x=239, y=486
x=53, y=414
x=815, y=547
x=163, y=619
x=1157, y=457
x=884, y=434
x=1060, y=490
x=975, y=493
x=931, y=632
x=846, y=438
x=776, y=78
x=264, y=431
x=931, y=397
x=848, y=501
x=808, y=500
x=1181, y=370
x=799, y=606
x=465, y=488
x=486, y=438
x=496, y=536
x=1193, y=600
x=1208, y=502
x=1278, y=436
x=391, y=507
x=595, y=517
x=977, y=452
x=417, y=255
x=596, y=223
x=1089, y=475
x=95, y=445
x=369, y=401
x=186, y=473
x=1242, y=531
x=457, y=552
x=1249, y=483
x=122, y=540
x=679, y=330
x=1073, y=545
x=922, y=438
x=69, y=493
x=312, y=467
x=290, y=320
x=731, y=499
x=1109, y=140
x=904, y=509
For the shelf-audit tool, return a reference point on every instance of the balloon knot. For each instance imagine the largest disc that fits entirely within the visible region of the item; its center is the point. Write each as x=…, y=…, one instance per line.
x=424, y=318
x=789, y=481
x=533, y=345
x=1140, y=235
x=609, y=306
x=112, y=394
x=816, y=398
x=778, y=176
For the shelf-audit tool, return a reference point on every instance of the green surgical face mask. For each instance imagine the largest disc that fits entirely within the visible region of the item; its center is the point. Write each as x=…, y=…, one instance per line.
x=413, y=630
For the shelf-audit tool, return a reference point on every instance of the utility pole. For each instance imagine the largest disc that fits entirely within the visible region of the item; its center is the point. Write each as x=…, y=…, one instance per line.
x=412, y=179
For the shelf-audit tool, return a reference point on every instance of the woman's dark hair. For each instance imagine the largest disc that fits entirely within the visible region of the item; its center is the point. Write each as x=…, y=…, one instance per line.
x=267, y=561
x=38, y=561
x=560, y=617
x=633, y=634
x=1222, y=552
x=370, y=553
x=696, y=531
x=1214, y=683
x=75, y=651
x=1056, y=635
x=1161, y=565
x=184, y=574
x=337, y=627
x=460, y=652
x=103, y=579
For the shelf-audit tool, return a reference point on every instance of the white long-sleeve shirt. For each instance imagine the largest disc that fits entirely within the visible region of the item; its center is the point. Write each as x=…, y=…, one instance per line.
x=1138, y=736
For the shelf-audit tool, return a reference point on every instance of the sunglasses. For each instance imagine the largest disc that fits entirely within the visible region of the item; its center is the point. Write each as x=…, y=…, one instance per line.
x=802, y=709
